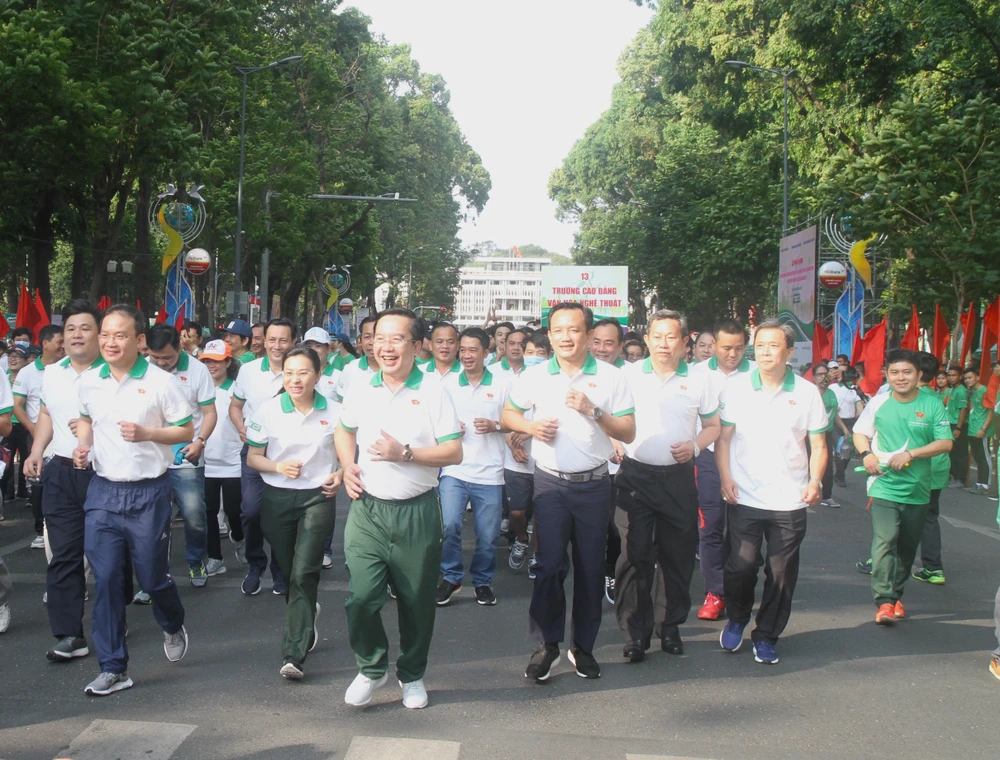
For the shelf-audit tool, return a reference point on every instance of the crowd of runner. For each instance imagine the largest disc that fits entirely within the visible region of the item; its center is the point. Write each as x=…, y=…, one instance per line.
x=627, y=458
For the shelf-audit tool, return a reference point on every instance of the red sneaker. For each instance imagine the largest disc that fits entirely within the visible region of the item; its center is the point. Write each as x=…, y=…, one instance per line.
x=898, y=612
x=712, y=608
x=886, y=614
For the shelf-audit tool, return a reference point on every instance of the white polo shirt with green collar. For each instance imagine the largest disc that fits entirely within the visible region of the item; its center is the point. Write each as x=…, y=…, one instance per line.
x=62, y=401
x=360, y=368
x=503, y=368
x=767, y=457
x=287, y=433
x=580, y=445
x=6, y=396
x=255, y=384
x=328, y=382
x=28, y=385
x=199, y=389
x=147, y=396
x=419, y=413
x=482, y=454
x=431, y=369
x=667, y=411
x=718, y=378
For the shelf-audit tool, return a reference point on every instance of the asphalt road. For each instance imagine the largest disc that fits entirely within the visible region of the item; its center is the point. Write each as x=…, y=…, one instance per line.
x=844, y=688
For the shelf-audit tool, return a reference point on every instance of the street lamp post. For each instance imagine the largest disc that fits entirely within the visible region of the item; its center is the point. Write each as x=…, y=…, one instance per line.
x=245, y=72
x=784, y=74
x=113, y=271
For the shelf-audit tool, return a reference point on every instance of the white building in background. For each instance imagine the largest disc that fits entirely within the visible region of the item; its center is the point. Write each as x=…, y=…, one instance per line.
x=511, y=286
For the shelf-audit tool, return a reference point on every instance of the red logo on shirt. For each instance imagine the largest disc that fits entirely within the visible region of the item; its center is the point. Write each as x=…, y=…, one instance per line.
x=141, y=390
x=489, y=395
x=920, y=415
x=184, y=378
x=592, y=385
x=791, y=401
x=684, y=387
x=415, y=402
x=324, y=422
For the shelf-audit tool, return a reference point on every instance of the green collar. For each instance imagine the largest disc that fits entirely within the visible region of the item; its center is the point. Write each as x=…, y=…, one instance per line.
x=227, y=384
x=97, y=362
x=619, y=362
x=265, y=365
x=363, y=364
x=329, y=369
x=288, y=406
x=137, y=371
x=456, y=367
x=743, y=366
x=504, y=364
x=38, y=364
x=682, y=367
x=183, y=362
x=487, y=378
x=788, y=384
x=589, y=366
x=423, y=362
x=413, y=380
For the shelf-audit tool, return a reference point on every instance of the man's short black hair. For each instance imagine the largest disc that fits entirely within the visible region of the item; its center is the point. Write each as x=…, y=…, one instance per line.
x=731, y=327
x=903, y=355
x=540, y=340
x=845, y=357
x=25, y=331
x=81, y=306
x=508, y=325
x=190, y=324
x=370, y=319
x=158, y=337
x=438, y=325
x=850, y=374
x=491, y=330
x=282, y=322
x=49, y=332
x=255, y=325
x=612, y=323
x=928, y=366
x=479, y=334
x=588, y=315
x=417, y=331
x=129, y=311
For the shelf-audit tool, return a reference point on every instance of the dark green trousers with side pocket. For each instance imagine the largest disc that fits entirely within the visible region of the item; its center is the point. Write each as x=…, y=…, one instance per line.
x=296, y=523
x=896, y=531
x=397, y=542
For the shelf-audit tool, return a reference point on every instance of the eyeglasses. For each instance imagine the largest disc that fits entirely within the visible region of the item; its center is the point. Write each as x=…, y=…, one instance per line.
x=396, y=341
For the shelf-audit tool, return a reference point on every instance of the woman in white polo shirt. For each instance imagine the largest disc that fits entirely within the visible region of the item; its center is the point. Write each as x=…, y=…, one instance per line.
x=290, y=442
x=222, y=459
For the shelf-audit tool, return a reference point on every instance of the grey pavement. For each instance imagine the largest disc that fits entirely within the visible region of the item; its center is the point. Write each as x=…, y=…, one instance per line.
x=844, y=688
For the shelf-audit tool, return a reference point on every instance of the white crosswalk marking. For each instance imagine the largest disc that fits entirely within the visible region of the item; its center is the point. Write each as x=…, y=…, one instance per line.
x=661, y=757
x=128, y=740
x=388, y=748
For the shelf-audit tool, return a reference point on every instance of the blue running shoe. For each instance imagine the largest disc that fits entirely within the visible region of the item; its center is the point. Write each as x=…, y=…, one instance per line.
x=251, y=584
x=765, y=653
x=731, y=637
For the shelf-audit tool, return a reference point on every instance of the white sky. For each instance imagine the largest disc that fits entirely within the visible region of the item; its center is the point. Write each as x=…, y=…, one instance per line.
x=527, y=77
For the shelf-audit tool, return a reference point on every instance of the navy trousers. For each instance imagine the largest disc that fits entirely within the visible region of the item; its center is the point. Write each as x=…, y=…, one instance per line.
x=250, y=506
x=711, y=523
x=574, y=516
x=129, y=519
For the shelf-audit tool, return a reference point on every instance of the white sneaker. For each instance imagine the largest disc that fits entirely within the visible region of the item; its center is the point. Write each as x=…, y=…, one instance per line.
x=327, y=561
x=223, y=527
x=360, y=692
x=38, y=542
x=4, y=617
x=414, y=694
x=214, y=567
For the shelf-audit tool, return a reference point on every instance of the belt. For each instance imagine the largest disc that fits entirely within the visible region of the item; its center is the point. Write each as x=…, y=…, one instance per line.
x=577, y=477
x=658, y=469
x=68, y=461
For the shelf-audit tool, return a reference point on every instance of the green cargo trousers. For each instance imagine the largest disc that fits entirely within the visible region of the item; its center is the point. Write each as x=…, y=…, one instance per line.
x=897, y=529
x=396, y=542
x=296, y=523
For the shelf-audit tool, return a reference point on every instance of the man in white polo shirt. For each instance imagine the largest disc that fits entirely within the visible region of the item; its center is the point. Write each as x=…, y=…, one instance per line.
x=131, y=414
x=65, y=486
x=366, y=367
x=580, y=405
x=318, y=340
x=27, y=391
x=444, y=346
x=479, y=397
x=257, y=382
x=187, y=469
x=512, y=362
x=768, y=480
x=657, y=506
x=404, y=426
x=730, y=341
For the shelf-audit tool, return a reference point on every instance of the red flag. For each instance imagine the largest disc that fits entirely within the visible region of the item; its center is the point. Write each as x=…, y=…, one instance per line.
x=104, y=304
x=942, y=335
x=991, y=335
x=179, y=322
x=43, y=315
x=968, y=324
x=27, y=314
x=4, y=326
x=138, y=305
x=161, y=315
x=857, y=348
x=911, y=338
x=517, y=252
x=822, y=343
x=873, y=355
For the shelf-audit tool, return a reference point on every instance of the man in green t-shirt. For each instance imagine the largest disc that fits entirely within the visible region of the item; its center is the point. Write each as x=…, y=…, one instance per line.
x=980, y=419
x=898, y=434
x=835, y=427
x=956, y=404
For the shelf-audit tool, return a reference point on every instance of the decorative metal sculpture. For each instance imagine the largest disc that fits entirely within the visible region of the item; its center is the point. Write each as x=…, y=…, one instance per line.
x=180, y=222
x=336, y=283
x=848, y=315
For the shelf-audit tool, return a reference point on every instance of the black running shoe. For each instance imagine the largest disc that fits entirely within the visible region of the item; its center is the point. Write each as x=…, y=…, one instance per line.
x=542, y=661
x=584, y=662
x=485, y=596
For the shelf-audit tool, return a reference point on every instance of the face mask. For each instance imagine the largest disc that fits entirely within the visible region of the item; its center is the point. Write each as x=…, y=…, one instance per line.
x=531, y=361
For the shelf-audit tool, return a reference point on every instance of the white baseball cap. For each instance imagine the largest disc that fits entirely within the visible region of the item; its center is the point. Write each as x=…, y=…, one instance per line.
x=316, y=335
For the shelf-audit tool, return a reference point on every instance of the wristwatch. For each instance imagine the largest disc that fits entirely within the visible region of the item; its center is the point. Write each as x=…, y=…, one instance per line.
x=407, y=453
x=697, y=450
x=864, y=454
x=597, y=413
x=203, y=441
x=496, y=426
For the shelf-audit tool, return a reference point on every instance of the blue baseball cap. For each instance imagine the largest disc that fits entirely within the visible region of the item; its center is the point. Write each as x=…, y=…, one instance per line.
x=239, y=327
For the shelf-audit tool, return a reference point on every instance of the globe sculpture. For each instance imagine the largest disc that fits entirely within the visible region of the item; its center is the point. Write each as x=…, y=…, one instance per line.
x=180, y=222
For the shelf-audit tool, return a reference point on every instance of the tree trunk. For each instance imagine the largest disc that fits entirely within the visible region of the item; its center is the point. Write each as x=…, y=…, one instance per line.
x=44, y=246
x=107, y=238
x=144, y=266
x=290, y=298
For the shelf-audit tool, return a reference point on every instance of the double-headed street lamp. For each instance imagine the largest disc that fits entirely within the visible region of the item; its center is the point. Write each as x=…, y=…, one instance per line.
x=784, y=74
x=246, y=71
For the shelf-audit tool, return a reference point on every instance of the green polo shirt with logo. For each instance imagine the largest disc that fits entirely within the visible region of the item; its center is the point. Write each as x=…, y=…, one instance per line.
x=977, y=412
x=955, y=400
x=941, y=464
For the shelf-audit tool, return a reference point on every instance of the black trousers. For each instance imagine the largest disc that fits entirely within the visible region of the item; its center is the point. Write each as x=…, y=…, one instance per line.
x=614, y=546
x=570, y=516
x=657, y=517
x=19, y=442
x=960, y=456
x=981, y=454
x=224, y=493
x=930, y=539
x=840, y=463
x=65, y=492
x=831, y=448
x=749, y=528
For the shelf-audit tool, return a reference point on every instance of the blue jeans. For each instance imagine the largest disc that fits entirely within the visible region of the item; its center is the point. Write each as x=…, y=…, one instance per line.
x=487, y=508
x=188, y=484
